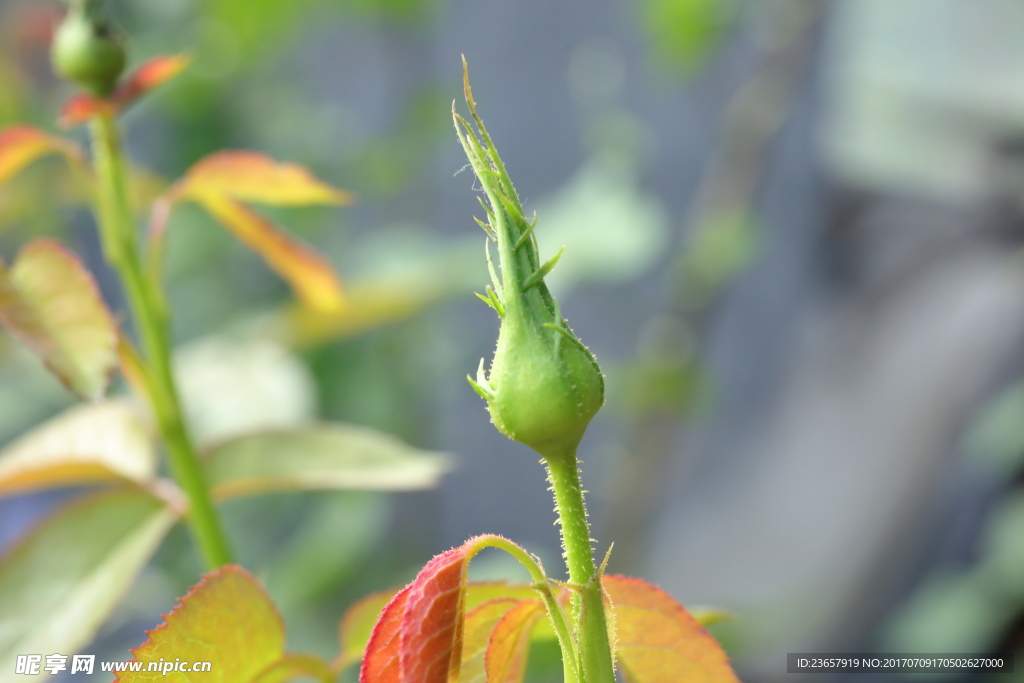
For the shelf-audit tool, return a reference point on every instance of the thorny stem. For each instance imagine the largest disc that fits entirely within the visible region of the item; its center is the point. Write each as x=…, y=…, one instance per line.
x=149, y=312
x=588, y=603
x=539, y=392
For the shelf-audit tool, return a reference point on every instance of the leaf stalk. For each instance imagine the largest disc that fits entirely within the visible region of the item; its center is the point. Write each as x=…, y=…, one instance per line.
x=541, y=584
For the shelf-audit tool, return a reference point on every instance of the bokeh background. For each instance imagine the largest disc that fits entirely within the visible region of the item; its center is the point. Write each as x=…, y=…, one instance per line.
x=794, y=242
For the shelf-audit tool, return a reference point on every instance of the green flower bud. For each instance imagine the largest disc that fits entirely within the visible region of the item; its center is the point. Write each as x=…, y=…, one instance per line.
x=544, y=385
x=85, y=49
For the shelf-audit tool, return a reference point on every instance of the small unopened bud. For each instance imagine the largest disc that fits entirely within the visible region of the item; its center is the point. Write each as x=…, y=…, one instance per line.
x=86, y=49
x=544, y=385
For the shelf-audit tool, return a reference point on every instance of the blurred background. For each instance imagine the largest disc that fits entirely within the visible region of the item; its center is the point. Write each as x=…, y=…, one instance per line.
x=794, y=242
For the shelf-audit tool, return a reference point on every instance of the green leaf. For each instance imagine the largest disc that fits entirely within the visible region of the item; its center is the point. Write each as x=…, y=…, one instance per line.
x=324, y=456
x=236, y=384
x=99, y=442
x=683, y=33
x=617, y=231
x=60, y=582
x=228, y=620
x=51, y=302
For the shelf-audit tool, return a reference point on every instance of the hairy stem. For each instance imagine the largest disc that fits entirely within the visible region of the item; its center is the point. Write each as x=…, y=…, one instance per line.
x=149, y=311
x=588, y=603
x=570, y=655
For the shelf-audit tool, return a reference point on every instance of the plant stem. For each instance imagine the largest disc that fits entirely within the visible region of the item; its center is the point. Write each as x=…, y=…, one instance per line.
x=570, y=656
x=588, y=603
x=149, y=311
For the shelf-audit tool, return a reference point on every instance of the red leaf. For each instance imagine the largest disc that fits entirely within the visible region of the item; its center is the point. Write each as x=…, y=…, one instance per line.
x=658, y=640
x=419, y=634
x=382, y=662
x=357, y=624
x=150, y=75
x=434, y=616
x=82, y=107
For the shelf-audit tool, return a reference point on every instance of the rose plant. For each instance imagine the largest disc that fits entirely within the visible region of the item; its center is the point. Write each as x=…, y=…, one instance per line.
x=542, y=389
x=60, y=581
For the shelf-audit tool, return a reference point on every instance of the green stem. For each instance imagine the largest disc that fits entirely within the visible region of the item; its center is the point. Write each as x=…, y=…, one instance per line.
x=588, y=603
x=570, y=656
x=149, y=311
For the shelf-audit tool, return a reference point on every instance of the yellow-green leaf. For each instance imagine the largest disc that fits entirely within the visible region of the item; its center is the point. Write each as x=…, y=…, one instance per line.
x=290, y=667
x=308, y=273
x=707, y=616
x=414, y=285
x=223, y=180
x=107, y=441
x=61, y=581
x=228, y=620
x=480, y=623
x=21, y=145
x=324, y=456
x=479, y=592
x=50, y=301
x=368, y=305
x=255, y=177
x=509, y=643
x=658, y=640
